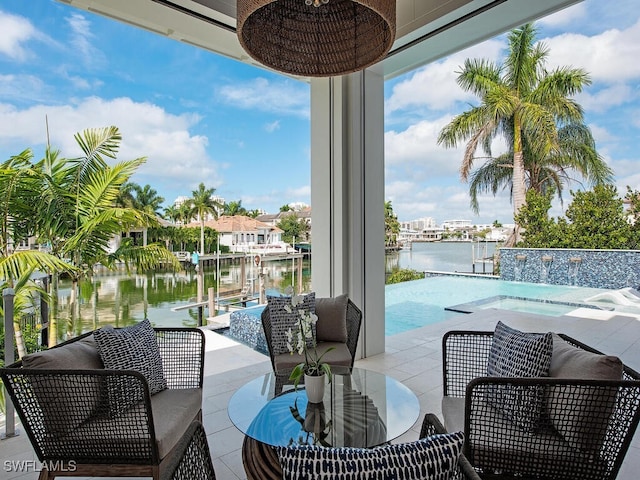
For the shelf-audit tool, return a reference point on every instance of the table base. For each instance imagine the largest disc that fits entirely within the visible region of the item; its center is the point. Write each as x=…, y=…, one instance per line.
x=260, y=460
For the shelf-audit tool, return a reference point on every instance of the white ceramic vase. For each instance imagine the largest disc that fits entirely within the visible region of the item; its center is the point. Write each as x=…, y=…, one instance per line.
x=314, y=386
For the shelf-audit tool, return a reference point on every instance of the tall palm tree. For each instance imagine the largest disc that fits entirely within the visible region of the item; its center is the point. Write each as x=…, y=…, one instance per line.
x=202, y=204
x=524, y=103
x=172, y=213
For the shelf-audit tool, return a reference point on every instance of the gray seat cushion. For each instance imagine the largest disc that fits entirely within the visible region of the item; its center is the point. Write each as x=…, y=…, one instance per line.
x=173, y=411
x=340, y=355
x=495, y=441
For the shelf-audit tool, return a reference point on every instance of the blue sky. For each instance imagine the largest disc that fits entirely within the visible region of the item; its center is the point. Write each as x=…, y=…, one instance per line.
x=199, y=117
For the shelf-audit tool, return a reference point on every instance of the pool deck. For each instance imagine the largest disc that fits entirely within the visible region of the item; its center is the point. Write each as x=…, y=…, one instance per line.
x=413, y=357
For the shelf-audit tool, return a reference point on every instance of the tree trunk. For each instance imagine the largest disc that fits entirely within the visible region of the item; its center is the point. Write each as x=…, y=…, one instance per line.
x=201, y=236
x=53, y=311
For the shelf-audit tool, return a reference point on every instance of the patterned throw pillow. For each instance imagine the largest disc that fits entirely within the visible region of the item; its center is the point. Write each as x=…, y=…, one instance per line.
x=130, y=348
x=517, y=354
x=431, y=458
x=282, y=321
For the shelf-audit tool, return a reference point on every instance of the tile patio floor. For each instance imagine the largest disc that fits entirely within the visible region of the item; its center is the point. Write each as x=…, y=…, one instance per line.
x=412, y=357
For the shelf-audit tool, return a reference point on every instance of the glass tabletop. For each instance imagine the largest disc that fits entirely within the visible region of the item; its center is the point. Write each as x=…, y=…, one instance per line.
x=361, y=408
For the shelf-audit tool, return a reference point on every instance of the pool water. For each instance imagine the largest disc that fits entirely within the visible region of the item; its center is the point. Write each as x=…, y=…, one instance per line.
x=414, y=304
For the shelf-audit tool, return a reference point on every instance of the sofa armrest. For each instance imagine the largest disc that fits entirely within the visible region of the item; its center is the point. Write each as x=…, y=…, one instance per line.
x=182, y=353
x=464, y=357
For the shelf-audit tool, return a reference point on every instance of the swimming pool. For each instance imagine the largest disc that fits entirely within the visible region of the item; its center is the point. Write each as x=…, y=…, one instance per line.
x=414, y=304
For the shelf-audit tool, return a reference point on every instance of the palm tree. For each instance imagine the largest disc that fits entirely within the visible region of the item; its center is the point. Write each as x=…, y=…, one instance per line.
x=391, y=225
x=528, y=106
x=202, y=204
x=234, y=208
x=147, y=200
x=77, y=211
x=172, y=213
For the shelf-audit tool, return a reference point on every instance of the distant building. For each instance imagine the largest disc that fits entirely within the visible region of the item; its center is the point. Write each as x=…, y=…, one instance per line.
x=456, y=224
x=248, y=235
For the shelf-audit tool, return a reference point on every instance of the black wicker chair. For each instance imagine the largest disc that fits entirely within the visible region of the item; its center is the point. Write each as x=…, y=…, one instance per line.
x=354, y=320
x=74, y=431
x=499, y=449
x=431, y=425
x=190, y=459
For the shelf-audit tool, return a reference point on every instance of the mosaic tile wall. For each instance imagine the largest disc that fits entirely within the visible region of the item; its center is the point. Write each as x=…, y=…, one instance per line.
x=247, y=329
x=584, y=268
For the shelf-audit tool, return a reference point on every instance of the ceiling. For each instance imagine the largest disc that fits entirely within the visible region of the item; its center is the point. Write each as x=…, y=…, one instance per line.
x=427, y=29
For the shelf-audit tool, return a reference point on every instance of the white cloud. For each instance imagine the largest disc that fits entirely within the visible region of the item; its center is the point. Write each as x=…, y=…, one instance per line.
x=284, y=97
x=273, y=126
x=81, y=37
x=565, y=17
x=417, y=147
x=16, y=31
x=174, y=155
x=606, y=98
x=434, y=86
x=610, y=56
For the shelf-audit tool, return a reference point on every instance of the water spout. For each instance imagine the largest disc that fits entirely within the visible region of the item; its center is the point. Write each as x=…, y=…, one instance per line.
x=544, y=268
x=519, y=267
x=574, y=266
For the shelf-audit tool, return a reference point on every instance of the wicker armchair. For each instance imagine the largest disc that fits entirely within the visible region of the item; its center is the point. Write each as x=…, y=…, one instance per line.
x=69, y=418
x=343, y=355
x=191, y=459
x=431, y=425
x=499, y=449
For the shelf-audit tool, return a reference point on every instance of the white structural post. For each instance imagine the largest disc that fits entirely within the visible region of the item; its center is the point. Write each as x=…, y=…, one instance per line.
x=8, y=295
x=347, y=195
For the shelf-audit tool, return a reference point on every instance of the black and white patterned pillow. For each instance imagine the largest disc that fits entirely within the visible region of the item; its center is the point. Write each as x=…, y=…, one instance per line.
x=431, y=458
x=518, y=354
x=282, y=321
x=130, y=348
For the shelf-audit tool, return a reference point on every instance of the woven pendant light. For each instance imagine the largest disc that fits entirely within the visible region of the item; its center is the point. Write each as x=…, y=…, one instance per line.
x=317, y=38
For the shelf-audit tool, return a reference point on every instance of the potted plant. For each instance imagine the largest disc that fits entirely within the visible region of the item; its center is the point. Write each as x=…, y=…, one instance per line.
x=302, y=340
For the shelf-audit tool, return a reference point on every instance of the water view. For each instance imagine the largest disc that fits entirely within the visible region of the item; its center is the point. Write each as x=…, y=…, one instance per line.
x=121, y=299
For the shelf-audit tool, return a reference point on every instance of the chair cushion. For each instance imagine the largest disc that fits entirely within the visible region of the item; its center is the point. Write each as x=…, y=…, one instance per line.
x=131, y=348
x=332, y=319
x=64, y=409
x=340, y=355
x=582, y=419
x=282, y=320
x=126, y=436
x=517, y=354
x=453, y=413
x=433, y=458
x=496, y=444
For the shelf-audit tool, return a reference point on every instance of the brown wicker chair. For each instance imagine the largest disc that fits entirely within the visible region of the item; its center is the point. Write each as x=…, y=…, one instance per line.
x=499, y=449
x=190, y=459
x=74, y=431
x=346, y=359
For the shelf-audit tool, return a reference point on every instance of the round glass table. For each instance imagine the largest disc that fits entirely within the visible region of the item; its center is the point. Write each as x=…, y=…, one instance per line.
x=361, y=408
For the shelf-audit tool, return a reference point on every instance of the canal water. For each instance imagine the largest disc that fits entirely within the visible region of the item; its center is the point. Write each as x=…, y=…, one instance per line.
x=120, y=298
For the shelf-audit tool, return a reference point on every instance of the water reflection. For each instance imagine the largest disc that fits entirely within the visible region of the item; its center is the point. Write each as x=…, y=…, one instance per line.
x=121, y=299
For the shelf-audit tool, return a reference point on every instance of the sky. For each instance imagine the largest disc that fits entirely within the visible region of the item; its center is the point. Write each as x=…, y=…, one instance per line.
x=200, y=117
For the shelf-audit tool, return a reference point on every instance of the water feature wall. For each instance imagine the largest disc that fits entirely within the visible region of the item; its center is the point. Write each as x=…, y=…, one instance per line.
x=584, y=268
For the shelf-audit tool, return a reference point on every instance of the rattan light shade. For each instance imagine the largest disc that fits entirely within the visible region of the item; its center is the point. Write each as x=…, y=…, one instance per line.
x=339, y=37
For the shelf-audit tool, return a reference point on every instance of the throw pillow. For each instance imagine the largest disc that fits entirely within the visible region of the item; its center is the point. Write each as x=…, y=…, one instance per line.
x=131, y=348
x=332, y=319
x=582, y=420
x=517, y=354
x=430, y=458
x=282, y=321
x=65, y=403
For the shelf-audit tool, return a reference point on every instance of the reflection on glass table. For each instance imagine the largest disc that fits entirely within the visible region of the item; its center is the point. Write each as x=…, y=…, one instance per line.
x=361, y=408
